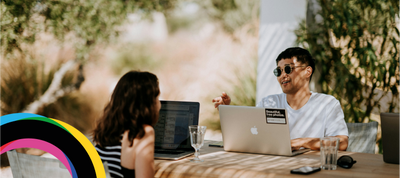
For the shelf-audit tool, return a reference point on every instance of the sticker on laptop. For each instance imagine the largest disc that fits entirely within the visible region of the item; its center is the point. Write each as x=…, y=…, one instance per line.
x=275, y=116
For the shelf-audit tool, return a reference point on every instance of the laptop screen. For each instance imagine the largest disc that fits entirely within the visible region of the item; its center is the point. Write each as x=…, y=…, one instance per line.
x=172, y=128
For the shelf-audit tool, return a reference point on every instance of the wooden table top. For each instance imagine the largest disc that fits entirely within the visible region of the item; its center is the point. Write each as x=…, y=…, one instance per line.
x=218, y=163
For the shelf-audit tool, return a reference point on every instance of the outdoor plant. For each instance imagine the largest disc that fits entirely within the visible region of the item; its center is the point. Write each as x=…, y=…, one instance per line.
x=24, y=80
x=355, y=44
x=132, y=56
x=83, y=23
x=242, y=91
x=80, y=25
x=240, y=19
x=231, y=14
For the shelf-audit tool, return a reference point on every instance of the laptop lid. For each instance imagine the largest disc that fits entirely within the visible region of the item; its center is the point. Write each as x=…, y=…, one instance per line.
x=172, y=128
x=255, y=130
x=390, y=137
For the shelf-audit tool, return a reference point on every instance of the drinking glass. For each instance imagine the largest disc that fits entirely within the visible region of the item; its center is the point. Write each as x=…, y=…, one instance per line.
x=197, y=140
x=329, y=151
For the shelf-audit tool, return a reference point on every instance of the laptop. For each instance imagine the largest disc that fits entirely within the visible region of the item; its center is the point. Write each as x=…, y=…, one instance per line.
x=390, y=137
x=172, y=139
x=256, y=130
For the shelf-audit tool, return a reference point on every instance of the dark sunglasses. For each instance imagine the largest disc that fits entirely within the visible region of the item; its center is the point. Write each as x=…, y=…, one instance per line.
x=346, y=162
x=288, y=69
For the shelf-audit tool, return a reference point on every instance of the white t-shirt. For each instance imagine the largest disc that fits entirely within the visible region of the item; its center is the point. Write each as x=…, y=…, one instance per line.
x=321, y=116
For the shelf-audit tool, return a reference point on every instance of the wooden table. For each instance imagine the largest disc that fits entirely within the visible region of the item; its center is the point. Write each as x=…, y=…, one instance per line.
x=218, y=163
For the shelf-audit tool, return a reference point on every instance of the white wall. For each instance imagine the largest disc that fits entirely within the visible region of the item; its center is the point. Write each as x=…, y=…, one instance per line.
x=278, y=19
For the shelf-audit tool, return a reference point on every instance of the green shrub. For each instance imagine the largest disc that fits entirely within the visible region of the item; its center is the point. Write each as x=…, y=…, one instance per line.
x=355, y=44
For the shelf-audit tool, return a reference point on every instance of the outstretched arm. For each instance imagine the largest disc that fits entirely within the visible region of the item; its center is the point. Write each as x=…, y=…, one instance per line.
x=224, y=99
x=314, y=143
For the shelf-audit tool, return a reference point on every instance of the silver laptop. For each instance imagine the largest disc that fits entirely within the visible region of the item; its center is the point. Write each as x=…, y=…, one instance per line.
x=172, y=139
x=256, y=130
x=390, y=137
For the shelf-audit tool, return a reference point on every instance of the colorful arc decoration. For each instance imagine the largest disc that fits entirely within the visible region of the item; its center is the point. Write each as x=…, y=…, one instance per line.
x=67, y=144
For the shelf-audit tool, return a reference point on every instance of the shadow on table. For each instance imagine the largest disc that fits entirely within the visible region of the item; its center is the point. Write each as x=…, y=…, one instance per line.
x=229, y=164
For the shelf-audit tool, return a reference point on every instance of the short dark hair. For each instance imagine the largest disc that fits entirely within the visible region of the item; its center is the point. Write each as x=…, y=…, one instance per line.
x=132, y=105
x=301, y=54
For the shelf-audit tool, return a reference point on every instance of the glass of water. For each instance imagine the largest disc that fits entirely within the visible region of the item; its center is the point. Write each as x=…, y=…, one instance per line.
x=329, y=152
x=197, y=140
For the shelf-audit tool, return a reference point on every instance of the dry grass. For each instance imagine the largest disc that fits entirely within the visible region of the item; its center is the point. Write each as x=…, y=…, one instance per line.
x=191, y=65
x=25, y=77
x=195, y=65
x=201, y=66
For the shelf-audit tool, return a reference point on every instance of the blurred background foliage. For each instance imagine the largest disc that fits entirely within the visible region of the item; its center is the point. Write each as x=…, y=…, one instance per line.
x=242, y=91
x=25, y=78
x=78, y=25
x=133, y=56
x=187, y=15
x=82, y=23
x=231, y=14
x=235, y=16
x=356, y=46
x=86, y=31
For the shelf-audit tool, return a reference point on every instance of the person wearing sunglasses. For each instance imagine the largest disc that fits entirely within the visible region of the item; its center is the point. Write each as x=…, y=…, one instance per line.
x=311, y=115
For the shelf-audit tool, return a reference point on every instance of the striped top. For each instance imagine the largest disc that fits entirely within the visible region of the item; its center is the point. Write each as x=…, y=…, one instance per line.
x=112, y=154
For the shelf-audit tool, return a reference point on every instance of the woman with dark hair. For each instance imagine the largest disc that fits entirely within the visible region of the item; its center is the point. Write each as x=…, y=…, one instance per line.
x=131, y=114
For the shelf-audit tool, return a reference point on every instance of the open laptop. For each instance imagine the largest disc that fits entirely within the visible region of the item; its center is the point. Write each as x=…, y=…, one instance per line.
x=390, y=137
x=172, y=139
x=256, y=130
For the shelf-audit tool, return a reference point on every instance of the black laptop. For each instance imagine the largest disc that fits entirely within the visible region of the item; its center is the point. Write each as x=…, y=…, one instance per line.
x=390, y=137
x=172, y=140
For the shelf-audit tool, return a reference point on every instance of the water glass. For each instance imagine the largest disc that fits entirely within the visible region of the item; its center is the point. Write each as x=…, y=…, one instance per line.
x=329, y=152
x=197, y=140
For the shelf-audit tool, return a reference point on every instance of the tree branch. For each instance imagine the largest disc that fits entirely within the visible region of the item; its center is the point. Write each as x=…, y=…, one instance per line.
x=55, y=89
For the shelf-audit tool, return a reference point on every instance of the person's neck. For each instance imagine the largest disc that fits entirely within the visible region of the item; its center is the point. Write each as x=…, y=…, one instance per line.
x=298, y=99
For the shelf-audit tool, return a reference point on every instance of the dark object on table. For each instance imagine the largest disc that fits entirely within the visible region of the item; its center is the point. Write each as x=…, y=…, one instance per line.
x=305, y=170
x=390, y=137
x=219, y=144
x=346, y=162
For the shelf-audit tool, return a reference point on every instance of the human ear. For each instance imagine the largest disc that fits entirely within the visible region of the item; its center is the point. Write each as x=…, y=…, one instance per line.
x=309, y=71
